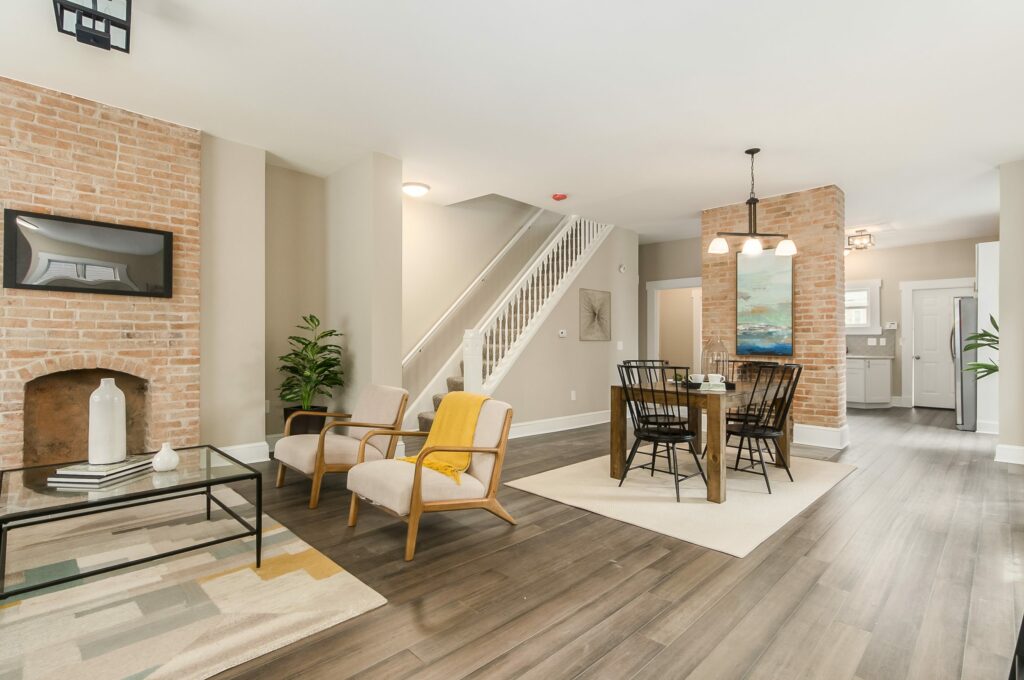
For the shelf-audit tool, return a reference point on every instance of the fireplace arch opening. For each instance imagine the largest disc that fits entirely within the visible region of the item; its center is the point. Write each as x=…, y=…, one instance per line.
x=57, y=414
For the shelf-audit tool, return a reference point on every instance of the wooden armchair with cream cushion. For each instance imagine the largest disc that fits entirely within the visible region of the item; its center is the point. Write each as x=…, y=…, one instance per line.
x=379, y=407
x=408, y=490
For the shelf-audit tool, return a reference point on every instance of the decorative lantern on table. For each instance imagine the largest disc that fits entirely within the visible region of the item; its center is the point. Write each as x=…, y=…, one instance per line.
x=715, y=357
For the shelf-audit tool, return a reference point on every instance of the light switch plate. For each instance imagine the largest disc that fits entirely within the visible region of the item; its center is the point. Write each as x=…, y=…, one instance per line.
x=872, y=342
x=618, y=345
x=881, y=341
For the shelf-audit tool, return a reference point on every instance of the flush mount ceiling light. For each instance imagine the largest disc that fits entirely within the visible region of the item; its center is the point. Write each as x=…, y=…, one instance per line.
x=415, y=189
x=752, y=246
x=861, y=240
x=101, y=23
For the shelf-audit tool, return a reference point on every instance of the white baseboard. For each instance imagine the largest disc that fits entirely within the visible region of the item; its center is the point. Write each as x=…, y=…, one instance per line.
x=558, y=424
x=825, y=437
x=988, y=427
x=272, y=440
x=256, y=452
x=1008, y=453
x=902, y=401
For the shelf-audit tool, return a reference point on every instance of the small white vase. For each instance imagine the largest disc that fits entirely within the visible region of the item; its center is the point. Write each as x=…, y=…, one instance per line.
x=166, y=459
x=107, y=436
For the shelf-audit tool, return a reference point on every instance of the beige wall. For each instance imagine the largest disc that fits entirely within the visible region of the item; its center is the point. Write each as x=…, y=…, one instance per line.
x=296, y=267
x=1011, y=309
x=923, y=262
x=444, y=248
x=232, y=306
x=658, y=262
x=364, y=270
x=676, y=327
x=539, y=384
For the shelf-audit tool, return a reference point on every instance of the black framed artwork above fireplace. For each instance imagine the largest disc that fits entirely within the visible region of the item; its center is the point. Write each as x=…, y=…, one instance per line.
x=50, y=252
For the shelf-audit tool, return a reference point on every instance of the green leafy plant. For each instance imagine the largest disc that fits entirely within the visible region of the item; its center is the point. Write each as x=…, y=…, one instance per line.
x=313, y=366
x=984, y=339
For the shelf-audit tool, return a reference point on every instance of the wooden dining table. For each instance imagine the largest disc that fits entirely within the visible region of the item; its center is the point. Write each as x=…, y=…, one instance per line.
x=715, y=405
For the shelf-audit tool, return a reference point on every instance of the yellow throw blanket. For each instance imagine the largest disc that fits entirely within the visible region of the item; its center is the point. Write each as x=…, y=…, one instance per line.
x=454, y=425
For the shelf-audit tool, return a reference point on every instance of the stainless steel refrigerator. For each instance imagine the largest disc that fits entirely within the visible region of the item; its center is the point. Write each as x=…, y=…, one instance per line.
x=965, y=322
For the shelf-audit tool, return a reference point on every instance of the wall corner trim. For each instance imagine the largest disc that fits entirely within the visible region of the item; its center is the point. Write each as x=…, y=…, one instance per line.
x=1010, y=453
x=988, y=427
x=824, y=437
x=253, y=452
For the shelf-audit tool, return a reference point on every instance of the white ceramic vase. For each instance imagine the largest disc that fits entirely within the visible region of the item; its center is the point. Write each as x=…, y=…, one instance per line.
x=107, y=436
x=166, y=459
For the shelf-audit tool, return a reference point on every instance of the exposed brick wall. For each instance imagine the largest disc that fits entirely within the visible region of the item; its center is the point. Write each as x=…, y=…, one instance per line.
x=815, y=220
x=68, y=156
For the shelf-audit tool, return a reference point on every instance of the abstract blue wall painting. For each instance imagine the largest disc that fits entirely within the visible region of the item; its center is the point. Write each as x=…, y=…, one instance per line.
x=764, y=304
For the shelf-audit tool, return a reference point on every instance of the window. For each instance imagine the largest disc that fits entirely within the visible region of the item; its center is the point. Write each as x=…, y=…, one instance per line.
x=862, y=307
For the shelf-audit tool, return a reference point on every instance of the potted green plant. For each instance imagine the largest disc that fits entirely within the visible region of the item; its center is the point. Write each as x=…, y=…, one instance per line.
x=983, y=339
x=312, y=368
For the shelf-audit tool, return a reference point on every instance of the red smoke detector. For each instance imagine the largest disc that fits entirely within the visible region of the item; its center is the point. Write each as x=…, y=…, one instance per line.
x=559, y=197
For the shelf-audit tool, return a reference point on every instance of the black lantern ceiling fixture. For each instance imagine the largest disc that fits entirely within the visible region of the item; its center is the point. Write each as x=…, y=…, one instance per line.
x=752, y=246
x=101, y=23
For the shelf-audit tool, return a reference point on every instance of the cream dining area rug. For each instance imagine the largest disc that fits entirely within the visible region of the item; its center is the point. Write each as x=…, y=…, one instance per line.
x=748, y=517
x=189, y=616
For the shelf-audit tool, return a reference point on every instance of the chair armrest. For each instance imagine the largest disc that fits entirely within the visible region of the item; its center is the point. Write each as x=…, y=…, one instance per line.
x=377, y=433
x=454, y=449
x=326, y=414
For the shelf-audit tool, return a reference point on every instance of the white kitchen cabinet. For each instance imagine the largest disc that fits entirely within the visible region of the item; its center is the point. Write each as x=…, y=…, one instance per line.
x=855, y=387
x=869, y=382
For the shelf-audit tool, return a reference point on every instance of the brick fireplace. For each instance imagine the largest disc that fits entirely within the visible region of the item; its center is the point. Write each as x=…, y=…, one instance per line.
x=68, y=156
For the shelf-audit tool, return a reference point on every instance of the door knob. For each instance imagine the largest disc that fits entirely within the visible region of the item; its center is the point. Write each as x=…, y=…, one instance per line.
x=917, y=357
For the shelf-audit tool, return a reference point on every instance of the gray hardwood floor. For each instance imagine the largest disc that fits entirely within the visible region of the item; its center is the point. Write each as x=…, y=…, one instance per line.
x=912, y=567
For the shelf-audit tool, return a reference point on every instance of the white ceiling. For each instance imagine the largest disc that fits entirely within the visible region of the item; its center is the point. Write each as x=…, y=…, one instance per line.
x=639, y=110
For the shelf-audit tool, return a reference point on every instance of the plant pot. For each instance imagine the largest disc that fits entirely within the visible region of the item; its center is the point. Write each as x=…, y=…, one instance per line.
x=305, y=424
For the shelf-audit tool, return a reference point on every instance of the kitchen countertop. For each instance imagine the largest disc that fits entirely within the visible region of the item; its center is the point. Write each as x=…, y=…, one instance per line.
x=866, y=356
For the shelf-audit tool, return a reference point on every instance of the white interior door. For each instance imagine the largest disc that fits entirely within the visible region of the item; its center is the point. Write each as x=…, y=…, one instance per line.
x=933, y=354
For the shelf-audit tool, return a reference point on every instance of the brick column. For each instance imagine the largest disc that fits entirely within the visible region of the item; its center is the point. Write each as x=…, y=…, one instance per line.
x=814, y=219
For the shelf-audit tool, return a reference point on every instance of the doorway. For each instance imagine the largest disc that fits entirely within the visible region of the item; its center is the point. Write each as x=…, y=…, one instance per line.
x=932, y=346
x=674, y=322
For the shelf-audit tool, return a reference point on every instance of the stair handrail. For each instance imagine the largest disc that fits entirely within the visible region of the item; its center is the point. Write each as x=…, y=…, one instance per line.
x=480, y=278
x=553, y=243
x=566, y=252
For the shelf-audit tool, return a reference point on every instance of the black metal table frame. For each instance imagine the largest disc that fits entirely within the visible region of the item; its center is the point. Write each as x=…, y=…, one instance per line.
x=199, y=488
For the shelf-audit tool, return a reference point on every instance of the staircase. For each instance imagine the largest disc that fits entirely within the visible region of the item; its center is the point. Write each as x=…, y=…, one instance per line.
x=491, y=348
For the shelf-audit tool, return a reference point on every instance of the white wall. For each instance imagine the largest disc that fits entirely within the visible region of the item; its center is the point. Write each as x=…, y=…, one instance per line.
x=988, y=305
x=296, y=267
x=539, y=384
x=659, y=262
x=232, y=304
x=922, y=262
x=444, y=248
x=364, y=270
x=1011, y=312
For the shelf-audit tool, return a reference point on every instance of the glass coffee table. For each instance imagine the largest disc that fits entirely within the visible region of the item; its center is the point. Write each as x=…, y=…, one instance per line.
x=26, y=500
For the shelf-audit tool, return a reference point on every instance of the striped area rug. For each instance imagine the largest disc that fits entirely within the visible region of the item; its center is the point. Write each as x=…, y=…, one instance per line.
x=189, y=616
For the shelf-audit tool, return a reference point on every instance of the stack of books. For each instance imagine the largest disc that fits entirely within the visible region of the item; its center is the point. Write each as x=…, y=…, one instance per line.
x=88, y=477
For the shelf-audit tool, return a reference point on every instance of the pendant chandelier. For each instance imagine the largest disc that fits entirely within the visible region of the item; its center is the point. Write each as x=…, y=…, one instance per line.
x=752, y=246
